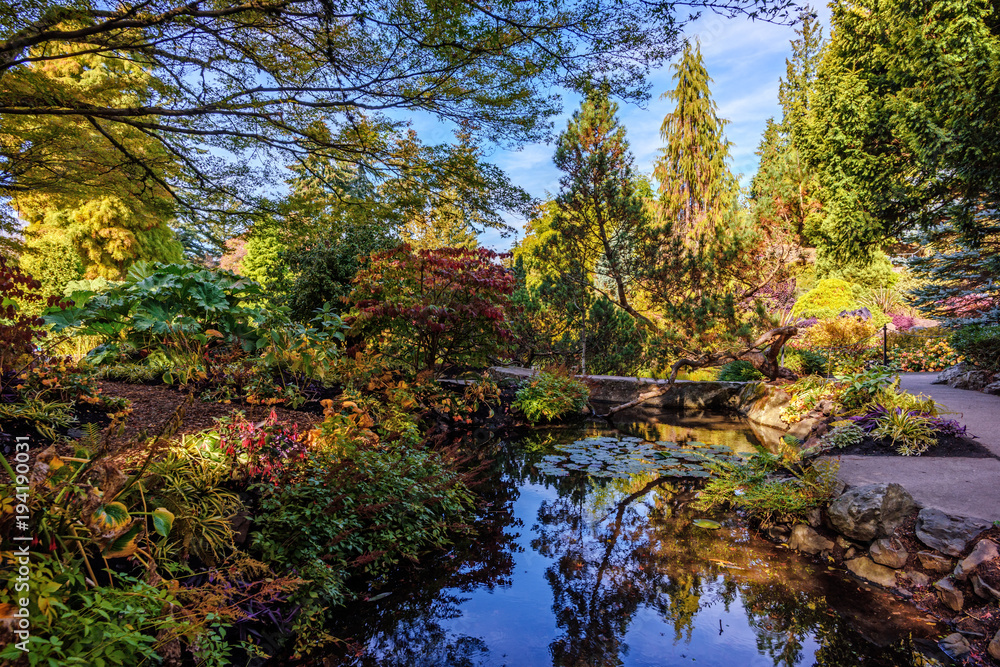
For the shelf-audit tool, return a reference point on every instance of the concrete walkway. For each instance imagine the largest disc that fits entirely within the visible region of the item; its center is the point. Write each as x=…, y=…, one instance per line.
x=959, y=486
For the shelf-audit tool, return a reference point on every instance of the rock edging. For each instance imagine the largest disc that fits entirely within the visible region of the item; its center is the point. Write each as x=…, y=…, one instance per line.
x=947, y=564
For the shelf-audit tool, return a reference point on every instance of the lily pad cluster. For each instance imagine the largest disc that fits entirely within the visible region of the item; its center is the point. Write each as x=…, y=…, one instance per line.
x=613, y=457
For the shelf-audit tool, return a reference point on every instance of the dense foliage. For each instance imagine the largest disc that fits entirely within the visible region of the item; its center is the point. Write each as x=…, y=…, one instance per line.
x=979, y=344
x=551, y=395
x=431, y=309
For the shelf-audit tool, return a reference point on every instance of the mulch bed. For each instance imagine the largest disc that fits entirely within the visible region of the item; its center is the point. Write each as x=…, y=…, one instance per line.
x=154, y=406
x=948, y=446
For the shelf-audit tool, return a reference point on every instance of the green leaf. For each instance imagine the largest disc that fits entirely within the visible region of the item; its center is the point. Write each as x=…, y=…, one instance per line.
x=126, y=543
x=707, y=523
x=111, y=517
x=163, y=520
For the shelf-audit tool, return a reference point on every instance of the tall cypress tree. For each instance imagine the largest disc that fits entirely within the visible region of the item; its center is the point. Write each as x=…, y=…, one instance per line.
x=698, y=192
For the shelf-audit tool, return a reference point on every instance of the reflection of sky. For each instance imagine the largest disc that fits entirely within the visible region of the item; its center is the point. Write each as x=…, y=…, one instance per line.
x=514, y=621
x=517, y=623
x=651, y=642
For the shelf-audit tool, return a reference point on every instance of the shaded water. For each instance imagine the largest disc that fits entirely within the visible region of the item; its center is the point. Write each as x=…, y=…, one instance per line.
x=577, y=571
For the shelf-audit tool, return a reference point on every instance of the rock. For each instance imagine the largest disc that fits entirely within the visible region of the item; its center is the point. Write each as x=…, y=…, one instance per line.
x=918, y=579
x=994, y=647
x=992, y=388
x=889, y=551
x=950, y=596
x=947, y=534
x=873, y=572
x=934, y=562
x=843, y=542
x=815, y=517
x=953, y=372
x=984, y=552
x=779, y=533
x=982, y=589
x=802, y=429
x=868, y=512
x=807, y=540
x=973, y=380
x=850, y=553
x=955, y=645
x=826, y=407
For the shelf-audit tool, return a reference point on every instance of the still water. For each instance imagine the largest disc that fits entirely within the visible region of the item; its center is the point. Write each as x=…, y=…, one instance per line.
x=580, y=571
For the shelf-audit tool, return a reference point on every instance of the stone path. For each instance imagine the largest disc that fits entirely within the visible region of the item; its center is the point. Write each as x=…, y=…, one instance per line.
x=958, y=486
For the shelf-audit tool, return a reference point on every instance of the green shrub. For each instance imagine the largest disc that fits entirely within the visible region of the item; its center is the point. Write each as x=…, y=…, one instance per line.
x=75, y=622
x=828, y=299
x=875, y=272
x=910, y=433
x=980, y=344
x=844, y=435
x=862, y=388
x=805, y=362
x=739, y=371
x=167, y=306
x=551, y=396
x=351, y=508
x=768, y=488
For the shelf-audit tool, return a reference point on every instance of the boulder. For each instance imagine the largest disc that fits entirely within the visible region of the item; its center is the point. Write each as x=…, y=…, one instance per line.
x=807, y=540
x=950, y=596
x=994, y=647
x=948, y=534
x=973, y=380
x=934, y=562
x=992, y=388
x=984, y=552
x=871, y=571
x=955, y=645
x=918, y=579
x=982, y=589
x=952, y=372
x=762, y=404
x=869, y=512
x=890, y=552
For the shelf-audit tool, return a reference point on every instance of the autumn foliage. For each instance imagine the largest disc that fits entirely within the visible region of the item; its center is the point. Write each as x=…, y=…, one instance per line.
x=432, y=309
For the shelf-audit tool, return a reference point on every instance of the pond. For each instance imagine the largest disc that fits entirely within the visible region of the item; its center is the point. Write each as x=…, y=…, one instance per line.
x=600, y=564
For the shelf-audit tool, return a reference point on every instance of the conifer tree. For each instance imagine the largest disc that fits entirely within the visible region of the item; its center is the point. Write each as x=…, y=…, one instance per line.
x=600, y=211
x=698, y=192
x=112, y=212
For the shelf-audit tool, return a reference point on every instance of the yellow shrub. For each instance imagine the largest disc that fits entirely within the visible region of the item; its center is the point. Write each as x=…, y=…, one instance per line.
x=840, y=332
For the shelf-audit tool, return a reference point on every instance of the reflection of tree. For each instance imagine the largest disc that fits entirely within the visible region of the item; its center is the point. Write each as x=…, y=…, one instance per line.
x=602, y=572
x=409, y=627
x=615, y=548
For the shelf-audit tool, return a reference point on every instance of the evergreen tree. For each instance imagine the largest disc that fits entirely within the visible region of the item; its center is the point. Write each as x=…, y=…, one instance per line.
x=600, y=212
x=706, y=256
x=785, y=191
x=112, y=212
x=698, y=192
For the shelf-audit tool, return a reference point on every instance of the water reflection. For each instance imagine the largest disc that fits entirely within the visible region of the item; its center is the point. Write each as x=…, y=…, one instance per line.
x=577, y=572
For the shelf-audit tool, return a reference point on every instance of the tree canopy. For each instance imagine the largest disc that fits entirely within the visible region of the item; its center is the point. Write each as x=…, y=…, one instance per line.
x=238, y=89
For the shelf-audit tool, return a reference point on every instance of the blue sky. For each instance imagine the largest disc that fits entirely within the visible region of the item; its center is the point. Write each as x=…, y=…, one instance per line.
x=745, y=60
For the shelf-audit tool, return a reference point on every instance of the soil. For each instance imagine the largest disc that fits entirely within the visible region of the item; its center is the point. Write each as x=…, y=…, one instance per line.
x=947, y=446
x=153, y=407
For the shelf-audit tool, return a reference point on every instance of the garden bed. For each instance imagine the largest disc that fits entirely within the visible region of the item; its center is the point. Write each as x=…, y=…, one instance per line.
x=153, y=406
x=948, y=446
